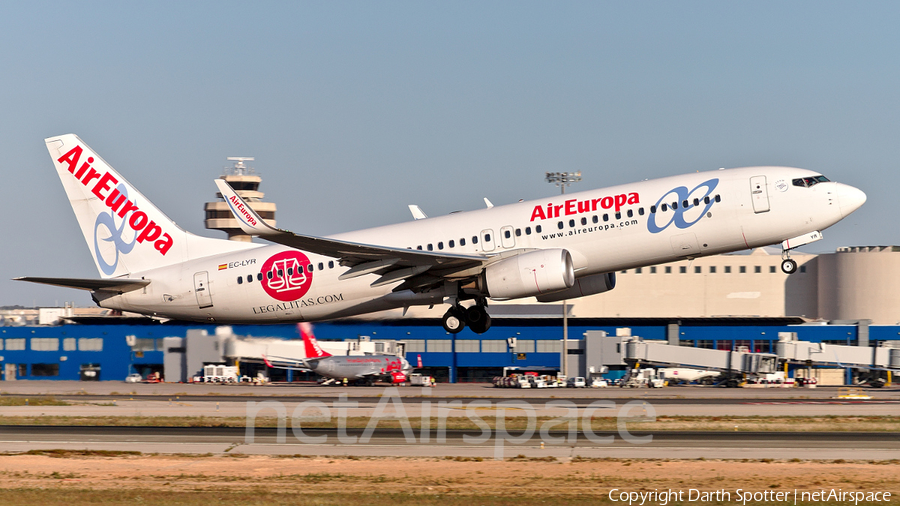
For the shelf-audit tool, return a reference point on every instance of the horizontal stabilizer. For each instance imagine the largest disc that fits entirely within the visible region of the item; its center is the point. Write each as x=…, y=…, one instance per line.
x=115, y=285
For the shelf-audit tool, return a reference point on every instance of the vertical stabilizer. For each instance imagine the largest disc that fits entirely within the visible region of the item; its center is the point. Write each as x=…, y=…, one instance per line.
x=313, y=350
x=125, y=232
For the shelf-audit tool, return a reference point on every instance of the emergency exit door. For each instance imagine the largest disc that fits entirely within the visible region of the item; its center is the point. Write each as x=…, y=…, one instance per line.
x=759, y=194
x=201, y=288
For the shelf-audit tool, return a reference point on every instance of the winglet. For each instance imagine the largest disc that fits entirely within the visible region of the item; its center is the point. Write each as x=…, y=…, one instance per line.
x=249, y=221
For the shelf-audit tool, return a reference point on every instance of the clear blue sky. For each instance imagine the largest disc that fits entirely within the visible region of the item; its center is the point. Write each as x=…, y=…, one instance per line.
x=355, y=109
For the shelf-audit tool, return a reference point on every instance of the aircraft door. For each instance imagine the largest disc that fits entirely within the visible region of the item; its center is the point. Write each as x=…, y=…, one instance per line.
x=759, y=193
x=487, y=240
x=201, y=288
x=507, y=239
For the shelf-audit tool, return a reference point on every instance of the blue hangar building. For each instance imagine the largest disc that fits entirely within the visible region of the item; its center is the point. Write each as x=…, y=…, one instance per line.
x=111, y=349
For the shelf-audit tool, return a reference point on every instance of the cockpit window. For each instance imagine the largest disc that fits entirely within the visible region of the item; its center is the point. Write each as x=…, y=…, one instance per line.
x=807, y=182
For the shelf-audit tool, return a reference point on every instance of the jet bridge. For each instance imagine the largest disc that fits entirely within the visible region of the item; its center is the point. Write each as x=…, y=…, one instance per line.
x=660, y=353
x=792, y=350
x=788, y=348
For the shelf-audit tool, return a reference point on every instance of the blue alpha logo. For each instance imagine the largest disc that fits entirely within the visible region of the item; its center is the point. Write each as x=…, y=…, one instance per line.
x=113, y=234
x=682, y=207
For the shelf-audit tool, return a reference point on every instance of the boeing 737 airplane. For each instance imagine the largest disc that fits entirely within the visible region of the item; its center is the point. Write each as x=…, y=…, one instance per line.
x=563, y=247
x=356, y=368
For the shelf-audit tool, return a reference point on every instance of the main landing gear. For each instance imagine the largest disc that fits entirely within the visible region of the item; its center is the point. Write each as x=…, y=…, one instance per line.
x=476, y=318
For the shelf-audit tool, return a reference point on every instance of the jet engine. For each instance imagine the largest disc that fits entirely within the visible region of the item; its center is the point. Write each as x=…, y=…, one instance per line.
x=528, y=274
x=588, y=285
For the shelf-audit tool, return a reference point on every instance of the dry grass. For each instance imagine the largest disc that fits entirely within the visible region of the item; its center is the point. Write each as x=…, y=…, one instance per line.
x=662, y=423
x=371, y=481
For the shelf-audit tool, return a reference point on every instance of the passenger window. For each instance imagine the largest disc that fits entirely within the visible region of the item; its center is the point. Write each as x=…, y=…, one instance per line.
x=696, y=202
x=664, y=207
x=474, y=239
x=451, y=243
x=641, y=211
x=507, y=234
x=430, y=247
x=527, y=230
x=309, y=268
x=652, y=209
x=518, y=232
x=605, y=217
x=249, y=278
x=618, y=216
x=321, y=266
x=290, y=271
x=684, y=204
x=584, y=221
x=462, y=242
x=259, y=277
x=706, y=199
x=630, y=213
x=718, y=198
x=560, y=225
x=441, y=245
x=674, y=205
x=419, y=248
x=571, y=223
x=331, y=264
x=487, y=237
x=537, y=229
x=595, y=219
x=280, y=273
x=240, y=280
x=269, y=275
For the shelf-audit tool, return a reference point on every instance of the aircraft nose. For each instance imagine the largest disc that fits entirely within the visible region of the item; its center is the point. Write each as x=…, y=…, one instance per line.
x=850, y=199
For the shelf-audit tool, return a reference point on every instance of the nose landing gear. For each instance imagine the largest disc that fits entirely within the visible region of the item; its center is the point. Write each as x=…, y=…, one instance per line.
x=788, y=266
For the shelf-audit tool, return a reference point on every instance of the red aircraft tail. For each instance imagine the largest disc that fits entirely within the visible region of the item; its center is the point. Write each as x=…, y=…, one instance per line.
x=313, y=350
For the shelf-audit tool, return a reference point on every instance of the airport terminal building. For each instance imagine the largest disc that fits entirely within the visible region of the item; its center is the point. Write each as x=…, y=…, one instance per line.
x=724, y=302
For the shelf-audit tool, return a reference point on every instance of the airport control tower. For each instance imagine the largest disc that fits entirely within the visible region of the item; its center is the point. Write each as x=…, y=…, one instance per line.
x=245, y=182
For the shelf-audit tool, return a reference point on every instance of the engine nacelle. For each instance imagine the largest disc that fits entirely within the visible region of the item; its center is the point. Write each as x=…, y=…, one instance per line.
x=532, y=273
x=588, y=285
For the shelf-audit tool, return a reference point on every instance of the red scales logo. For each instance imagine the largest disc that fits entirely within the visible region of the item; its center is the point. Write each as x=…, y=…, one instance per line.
x=285, y=276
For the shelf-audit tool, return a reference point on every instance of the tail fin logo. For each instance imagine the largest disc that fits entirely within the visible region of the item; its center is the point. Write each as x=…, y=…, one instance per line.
x=117, y=201
x=313, y=350
x=114, y=235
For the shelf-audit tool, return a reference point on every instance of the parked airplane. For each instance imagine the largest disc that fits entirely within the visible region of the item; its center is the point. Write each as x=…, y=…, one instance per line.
x=367, y=368
x=563, y=247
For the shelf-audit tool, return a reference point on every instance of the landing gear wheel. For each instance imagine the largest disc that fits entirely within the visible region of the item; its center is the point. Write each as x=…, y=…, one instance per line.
x=454, y=320
x=788, y=266
x=478, y=319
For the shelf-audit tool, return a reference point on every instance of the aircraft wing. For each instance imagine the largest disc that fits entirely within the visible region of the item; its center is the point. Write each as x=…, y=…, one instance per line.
x=292, y=364
x=115, y=285
x=364, y=258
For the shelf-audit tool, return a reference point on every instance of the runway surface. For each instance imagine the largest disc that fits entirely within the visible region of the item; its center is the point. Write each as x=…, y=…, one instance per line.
x=470, y=443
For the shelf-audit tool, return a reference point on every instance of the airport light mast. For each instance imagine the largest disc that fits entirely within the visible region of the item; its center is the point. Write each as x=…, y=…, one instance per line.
x=562, y=180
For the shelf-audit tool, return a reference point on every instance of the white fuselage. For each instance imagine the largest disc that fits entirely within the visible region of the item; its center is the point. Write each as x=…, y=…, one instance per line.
x=605, y=230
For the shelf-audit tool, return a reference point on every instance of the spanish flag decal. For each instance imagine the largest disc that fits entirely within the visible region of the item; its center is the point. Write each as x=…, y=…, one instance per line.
x=223, y=267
